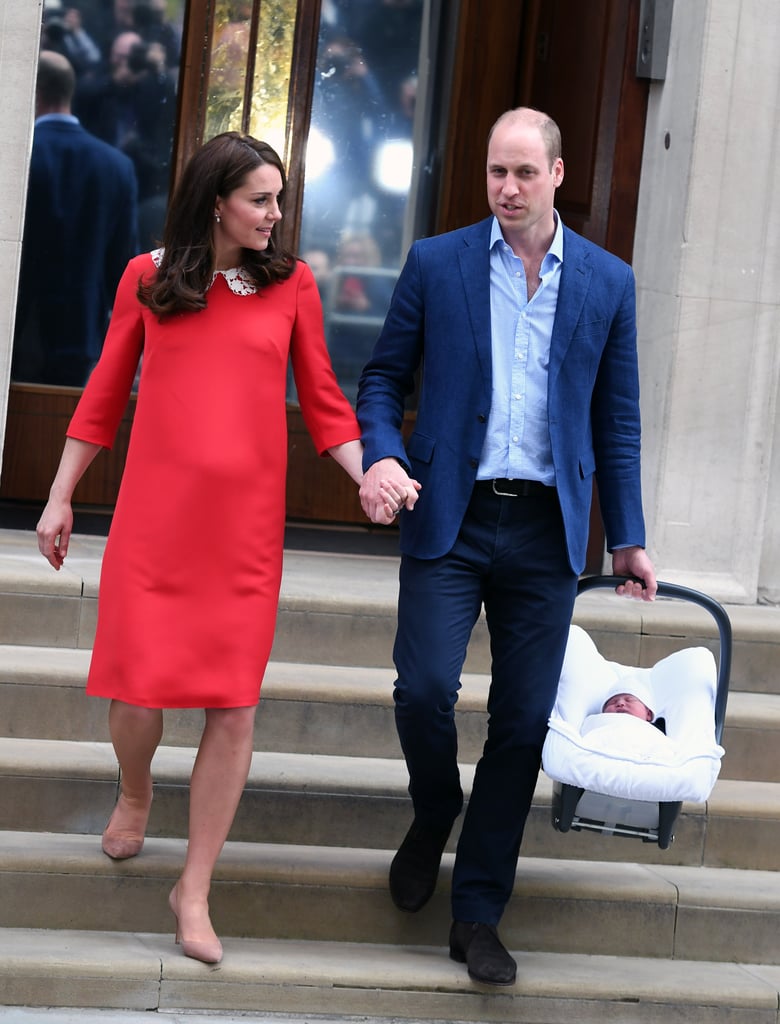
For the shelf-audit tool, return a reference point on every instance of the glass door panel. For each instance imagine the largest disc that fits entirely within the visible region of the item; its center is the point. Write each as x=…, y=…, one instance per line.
x=358, y=168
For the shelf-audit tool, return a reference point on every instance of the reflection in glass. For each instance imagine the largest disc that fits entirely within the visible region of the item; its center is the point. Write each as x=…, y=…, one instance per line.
x=228, y=67
x=242, y=49
x=87, y=211
x=273, y=61
x=359, y=168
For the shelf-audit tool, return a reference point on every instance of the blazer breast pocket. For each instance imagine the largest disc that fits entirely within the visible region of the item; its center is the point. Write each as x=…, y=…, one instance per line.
x=589, y=328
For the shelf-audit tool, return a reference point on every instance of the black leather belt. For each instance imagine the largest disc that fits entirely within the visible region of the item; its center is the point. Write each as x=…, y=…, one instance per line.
x=504, y=488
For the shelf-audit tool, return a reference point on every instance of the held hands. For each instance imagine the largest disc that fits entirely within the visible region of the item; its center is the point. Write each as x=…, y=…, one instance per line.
x=634, y=562
x=387, y=490
x=54, y=529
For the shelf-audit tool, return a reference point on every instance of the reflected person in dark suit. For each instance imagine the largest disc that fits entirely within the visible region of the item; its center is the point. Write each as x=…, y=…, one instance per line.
x=80, y=230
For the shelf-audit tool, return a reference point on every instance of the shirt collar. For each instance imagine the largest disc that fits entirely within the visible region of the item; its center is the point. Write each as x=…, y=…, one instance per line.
x=556, y=246
x=237, y=279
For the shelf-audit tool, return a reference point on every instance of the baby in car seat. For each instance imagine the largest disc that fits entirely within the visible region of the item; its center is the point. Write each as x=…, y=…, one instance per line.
x=625, y=722
x=624, y=703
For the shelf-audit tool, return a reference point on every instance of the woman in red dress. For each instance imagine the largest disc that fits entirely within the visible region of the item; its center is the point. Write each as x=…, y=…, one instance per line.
x=192, y=567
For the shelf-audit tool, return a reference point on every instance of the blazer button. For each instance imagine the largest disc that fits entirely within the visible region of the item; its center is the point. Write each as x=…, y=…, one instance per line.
x=473, y=463
x=481, y=418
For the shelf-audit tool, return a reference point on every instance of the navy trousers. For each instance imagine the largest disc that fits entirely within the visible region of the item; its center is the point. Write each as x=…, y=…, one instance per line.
x=510, y=556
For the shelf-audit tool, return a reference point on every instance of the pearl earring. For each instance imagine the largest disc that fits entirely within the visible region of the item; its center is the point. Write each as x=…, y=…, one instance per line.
x=217, y=218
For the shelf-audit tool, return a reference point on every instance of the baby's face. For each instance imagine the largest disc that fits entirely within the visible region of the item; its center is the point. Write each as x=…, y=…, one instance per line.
x=627, y=704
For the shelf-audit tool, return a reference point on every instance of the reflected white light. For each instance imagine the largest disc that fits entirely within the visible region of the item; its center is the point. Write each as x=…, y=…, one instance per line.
x=320, y=154
x=393, y=166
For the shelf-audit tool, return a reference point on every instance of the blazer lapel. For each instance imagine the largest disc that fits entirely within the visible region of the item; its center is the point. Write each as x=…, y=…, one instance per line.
x=474, y=265
x=575, y=281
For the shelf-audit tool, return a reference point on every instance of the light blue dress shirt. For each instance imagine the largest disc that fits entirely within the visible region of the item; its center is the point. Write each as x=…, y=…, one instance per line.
x=517, y=444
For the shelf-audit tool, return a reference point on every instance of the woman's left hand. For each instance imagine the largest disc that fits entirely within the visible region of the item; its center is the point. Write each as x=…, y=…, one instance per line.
x=396, y=498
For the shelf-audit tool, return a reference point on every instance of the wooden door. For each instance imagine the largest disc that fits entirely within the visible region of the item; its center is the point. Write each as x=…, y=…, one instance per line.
x=578, y=65
x=576, y=62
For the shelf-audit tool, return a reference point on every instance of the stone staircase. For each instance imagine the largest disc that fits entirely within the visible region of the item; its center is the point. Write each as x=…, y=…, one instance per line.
x=604, y=929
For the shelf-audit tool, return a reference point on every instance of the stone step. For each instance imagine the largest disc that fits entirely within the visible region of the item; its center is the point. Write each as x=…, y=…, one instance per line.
x=362, y=981
x=336, y=608
x=331, y=800
x=328, y=709
x=300, y=891
x=282, y=891
x=65, y=786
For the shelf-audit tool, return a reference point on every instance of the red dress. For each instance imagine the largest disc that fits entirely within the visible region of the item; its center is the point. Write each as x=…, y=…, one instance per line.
x=192, y=567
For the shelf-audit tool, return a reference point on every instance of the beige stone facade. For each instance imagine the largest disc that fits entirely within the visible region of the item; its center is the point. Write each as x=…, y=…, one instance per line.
x=707, y=259
x=19, y=32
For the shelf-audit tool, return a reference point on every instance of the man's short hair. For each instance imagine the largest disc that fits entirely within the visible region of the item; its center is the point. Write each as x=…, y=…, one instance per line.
x=56, y=81
x=549, y=130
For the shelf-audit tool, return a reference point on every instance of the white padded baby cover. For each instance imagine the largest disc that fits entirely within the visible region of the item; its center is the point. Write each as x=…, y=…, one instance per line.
x=626, y=757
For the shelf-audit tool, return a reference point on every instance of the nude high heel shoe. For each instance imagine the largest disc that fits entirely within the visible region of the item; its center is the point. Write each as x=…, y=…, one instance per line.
x=121, y=843
x=209, y=951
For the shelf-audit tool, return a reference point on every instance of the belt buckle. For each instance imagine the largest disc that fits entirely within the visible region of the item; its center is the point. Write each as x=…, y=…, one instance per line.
x=503, y=494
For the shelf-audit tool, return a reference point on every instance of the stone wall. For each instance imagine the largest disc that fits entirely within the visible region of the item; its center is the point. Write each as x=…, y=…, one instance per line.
x=20, y=22
x=707, y=260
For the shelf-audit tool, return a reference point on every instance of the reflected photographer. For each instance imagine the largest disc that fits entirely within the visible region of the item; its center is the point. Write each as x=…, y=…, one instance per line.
x=133, y=107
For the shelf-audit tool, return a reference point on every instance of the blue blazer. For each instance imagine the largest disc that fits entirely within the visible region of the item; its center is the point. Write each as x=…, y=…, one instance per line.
x=80, y=231
x=439, y=320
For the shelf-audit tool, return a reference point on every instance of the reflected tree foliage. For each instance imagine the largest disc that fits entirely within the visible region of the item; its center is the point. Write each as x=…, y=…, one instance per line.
x=228, y=66
x=251, y=42
x=273, y=61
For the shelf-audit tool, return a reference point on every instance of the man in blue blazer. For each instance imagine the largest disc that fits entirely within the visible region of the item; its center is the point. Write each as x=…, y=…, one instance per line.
x=521, y=337
x=80, y=231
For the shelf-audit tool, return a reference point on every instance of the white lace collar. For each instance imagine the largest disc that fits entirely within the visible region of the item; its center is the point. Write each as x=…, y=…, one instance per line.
x=237, y=280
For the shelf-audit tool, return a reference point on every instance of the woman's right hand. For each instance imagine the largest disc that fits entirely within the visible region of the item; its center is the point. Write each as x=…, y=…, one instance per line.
x=56, y=523
x=54, y=529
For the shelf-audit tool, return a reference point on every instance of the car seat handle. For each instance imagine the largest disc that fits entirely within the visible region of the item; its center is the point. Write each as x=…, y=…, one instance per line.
x=716, y=610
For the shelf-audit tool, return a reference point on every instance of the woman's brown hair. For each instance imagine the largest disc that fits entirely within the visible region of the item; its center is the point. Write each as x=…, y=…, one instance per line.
x=218, y=168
